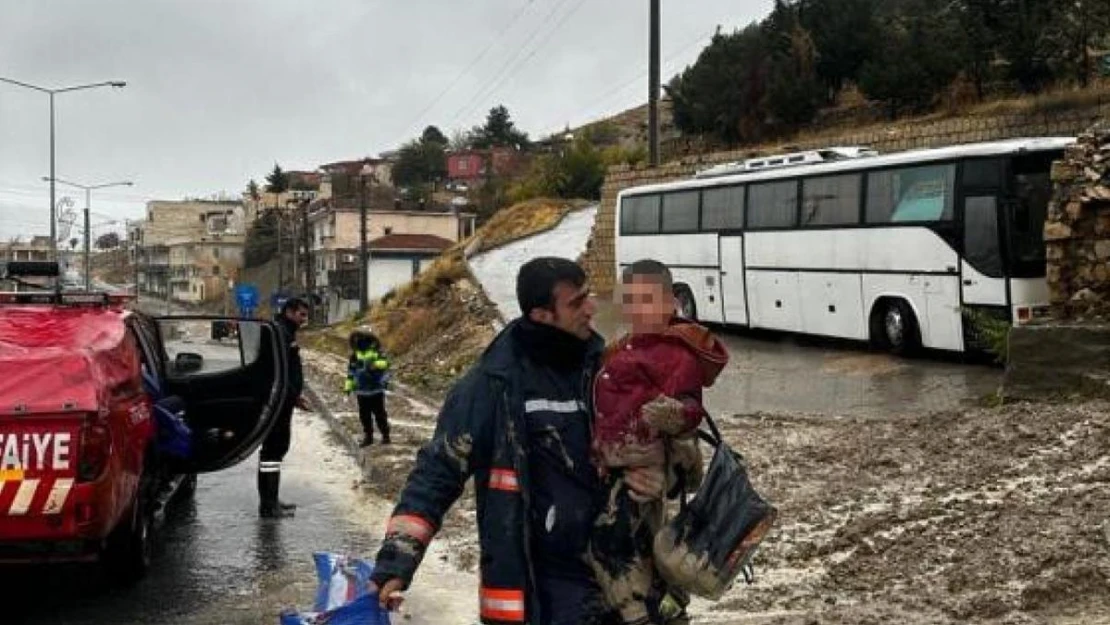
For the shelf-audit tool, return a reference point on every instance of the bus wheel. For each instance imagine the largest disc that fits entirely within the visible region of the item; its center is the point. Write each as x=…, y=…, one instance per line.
x=894, y=327
x=684, y=301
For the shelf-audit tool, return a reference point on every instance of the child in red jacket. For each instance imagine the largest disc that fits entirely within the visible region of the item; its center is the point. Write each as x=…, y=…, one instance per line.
x=648, y=404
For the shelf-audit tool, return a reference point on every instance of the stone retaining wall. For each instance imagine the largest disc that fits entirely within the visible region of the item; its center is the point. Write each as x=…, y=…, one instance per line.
x=1077, y=233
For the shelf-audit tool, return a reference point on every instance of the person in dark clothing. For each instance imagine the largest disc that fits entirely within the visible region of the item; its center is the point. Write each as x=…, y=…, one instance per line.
x=293, y=315
x=518, y=422
x=367, y=378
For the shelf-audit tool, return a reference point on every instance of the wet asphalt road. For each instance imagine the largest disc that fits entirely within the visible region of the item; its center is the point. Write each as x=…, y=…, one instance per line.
x=218, y=563
x=779, y=373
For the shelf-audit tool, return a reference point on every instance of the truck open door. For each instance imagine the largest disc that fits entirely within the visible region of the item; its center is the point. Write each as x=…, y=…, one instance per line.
x=232, y=388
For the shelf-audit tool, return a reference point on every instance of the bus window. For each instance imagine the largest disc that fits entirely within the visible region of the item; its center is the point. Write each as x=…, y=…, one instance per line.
x=1032, y=192
x=773, y=205
x=831, y=201
x=640, y=214
x=915, y=194
x=680, y=211
x=982, y=173
x=722, y=209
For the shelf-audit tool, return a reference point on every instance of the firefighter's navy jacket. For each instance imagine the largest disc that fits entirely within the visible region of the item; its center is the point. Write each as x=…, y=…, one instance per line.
x=482, y=432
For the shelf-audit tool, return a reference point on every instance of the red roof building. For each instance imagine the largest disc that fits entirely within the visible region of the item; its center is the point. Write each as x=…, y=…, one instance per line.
x=472, y=166
x=411, y=243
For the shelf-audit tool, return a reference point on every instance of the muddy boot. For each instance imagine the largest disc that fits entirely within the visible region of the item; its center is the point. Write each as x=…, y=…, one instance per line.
x=672, y=608
x=367, y=440
x=270, y=507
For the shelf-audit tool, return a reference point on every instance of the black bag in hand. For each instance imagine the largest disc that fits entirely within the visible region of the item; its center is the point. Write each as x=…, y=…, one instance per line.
x=713, y=537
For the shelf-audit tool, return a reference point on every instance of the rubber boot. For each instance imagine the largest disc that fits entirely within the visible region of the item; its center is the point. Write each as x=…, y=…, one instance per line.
x=383, y=427
x=270, y=507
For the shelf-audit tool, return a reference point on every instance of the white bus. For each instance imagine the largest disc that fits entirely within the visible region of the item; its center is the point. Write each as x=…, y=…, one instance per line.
x=848, y=243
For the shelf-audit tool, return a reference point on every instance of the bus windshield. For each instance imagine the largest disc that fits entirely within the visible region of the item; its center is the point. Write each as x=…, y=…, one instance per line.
x=1028, y=210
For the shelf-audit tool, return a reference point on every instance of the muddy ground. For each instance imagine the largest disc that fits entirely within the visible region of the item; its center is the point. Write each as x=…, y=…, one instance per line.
x=980, y=516
x=965, y=516
x=412, y=421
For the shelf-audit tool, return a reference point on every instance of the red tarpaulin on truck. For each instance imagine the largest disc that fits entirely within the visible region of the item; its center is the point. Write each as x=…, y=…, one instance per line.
x=55, y=359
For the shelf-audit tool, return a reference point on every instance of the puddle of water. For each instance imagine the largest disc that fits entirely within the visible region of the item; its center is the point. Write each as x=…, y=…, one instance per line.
x=776, y=373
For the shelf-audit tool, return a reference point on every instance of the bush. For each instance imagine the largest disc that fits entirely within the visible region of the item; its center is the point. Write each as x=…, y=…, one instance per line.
x=990, y=333
x=577, y=171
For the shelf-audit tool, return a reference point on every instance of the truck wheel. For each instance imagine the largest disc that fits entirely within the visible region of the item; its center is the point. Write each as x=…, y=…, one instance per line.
x=130, y=547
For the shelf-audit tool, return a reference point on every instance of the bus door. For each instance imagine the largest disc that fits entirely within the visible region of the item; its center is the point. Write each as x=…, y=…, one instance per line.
x=732, y=279
x=982, y=265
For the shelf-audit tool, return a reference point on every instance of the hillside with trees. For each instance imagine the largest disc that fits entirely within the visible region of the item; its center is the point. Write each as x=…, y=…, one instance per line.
x=905, y=56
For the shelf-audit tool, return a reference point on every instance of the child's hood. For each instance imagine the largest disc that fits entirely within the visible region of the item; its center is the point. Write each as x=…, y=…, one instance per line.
x=711, y=353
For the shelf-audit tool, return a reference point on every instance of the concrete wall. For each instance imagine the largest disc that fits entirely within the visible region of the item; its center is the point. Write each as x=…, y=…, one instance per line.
x=1057, y=361
x=196, y=221
x=599, y=256
x=386, y=274
x=346, y=227
x=340, y=309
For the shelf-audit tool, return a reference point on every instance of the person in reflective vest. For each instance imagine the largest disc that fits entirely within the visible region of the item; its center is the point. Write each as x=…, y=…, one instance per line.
x=368, y=378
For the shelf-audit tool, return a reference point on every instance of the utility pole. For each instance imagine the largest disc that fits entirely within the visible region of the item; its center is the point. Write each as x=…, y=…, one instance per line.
x=309, y=267
x=653, y=84
x=363, y=270
x=281, y=264
x=296, y=252
x=88, y=243
x=118, y=84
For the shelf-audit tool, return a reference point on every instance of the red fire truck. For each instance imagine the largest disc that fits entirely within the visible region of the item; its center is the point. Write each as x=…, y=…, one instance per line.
x=106, y=416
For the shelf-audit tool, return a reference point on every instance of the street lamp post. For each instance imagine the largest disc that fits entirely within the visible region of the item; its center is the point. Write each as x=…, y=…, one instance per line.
x=52, y=92
x=88, y=201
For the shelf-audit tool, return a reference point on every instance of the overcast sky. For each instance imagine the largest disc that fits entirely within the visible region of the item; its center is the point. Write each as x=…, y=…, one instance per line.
x=218, y=90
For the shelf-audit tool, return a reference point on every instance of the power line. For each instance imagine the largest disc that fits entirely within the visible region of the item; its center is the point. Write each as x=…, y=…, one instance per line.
x=536, y=50
x=531, y=37
x=524, y=63
x=608, y=95
x=472, y=65
x=29, y=191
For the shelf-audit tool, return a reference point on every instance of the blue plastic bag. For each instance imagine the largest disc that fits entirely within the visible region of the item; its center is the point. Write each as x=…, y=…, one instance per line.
x=174, y=437
x=343, y=596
